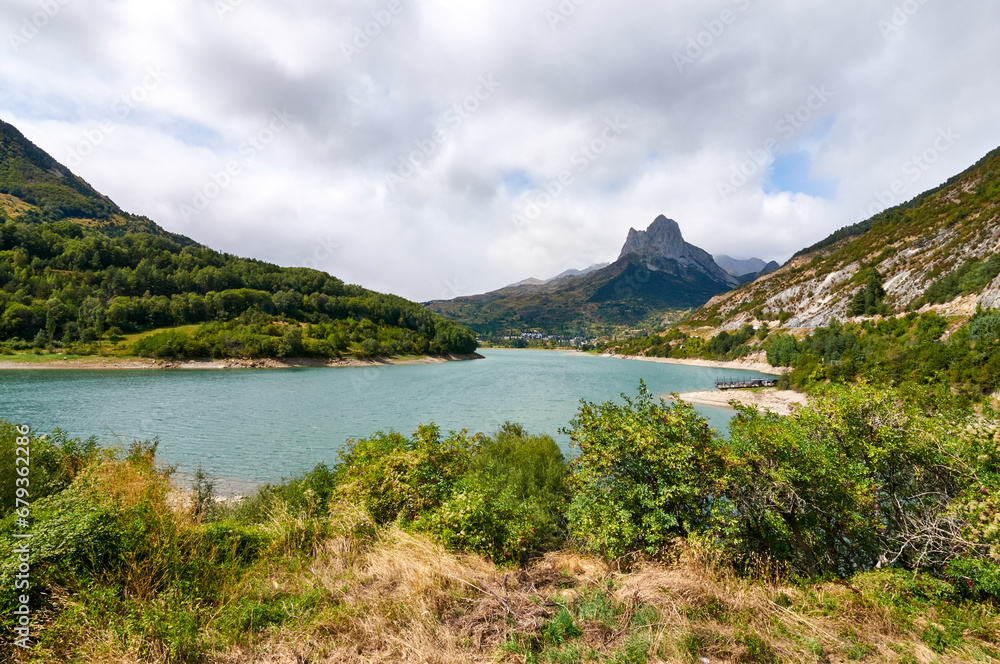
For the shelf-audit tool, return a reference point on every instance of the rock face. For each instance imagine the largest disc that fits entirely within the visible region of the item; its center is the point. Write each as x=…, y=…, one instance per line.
x=663, y=240
x=912, y=247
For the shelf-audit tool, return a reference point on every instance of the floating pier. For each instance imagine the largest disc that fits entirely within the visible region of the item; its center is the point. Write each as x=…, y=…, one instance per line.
x=745, y=384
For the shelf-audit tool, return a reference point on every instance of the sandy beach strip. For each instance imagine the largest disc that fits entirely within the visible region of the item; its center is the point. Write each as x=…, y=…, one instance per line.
x=115, y=363
x=759, y=367
x=780, y=402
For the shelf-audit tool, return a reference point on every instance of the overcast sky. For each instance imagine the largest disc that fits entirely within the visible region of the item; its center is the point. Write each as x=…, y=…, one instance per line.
x=436, y=148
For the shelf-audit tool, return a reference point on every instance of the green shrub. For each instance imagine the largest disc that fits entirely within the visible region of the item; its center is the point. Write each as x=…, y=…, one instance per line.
x=501, y=496
x=976, y=579
x=54, y=461
x=480, y=518
x=400, y=478
x=530, y=469
x=308, y=494
x=643, y=477
x=836, y=487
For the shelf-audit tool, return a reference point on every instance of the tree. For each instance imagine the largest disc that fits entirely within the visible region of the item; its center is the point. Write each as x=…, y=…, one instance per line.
x=869, y=300
x=292, y=341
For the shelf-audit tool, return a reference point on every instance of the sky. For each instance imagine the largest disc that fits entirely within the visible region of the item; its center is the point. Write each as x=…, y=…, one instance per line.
x=437, y=148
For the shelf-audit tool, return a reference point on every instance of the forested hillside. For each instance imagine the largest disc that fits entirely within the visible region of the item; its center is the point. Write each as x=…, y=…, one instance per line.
x=75, y=270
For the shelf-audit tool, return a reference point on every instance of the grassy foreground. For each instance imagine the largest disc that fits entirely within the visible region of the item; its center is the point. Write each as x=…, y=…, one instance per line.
x=465, y=549
x=336, y=588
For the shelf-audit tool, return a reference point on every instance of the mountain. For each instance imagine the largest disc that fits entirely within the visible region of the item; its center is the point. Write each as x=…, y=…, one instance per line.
x=938, y=252
x=658, y=276
x=737, y=267
x=663, y=241
x=580, y=273
x=32, y=183
x=561, y=275
x=754, y=276
x=77, y=273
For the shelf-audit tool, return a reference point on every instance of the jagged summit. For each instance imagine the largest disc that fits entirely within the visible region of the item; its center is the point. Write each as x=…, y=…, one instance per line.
x=663, y=241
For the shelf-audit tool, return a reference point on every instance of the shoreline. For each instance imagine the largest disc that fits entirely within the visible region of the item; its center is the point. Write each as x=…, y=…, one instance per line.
x=113, y=363
x=759, y=367
x=780, y=402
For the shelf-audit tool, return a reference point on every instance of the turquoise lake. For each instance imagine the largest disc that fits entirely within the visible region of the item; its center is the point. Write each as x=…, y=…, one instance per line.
x=255, y=426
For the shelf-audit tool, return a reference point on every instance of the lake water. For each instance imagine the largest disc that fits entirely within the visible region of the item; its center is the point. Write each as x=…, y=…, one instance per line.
x=257, y=426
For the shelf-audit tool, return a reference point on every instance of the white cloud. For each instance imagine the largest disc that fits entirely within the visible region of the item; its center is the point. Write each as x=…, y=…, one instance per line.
x=316, y=192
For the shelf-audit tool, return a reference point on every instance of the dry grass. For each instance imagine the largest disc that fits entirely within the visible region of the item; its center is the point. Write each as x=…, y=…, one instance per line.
x=405, y=599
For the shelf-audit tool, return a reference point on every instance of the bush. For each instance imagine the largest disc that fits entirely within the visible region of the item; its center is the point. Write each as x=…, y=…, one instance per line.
x=530, y=469
x=644, y=475
x=501, y=496
x=55, y=461
x=308, y=494
x=512, y=500
x=858, y=478
x=400, y=478
x=485, y=519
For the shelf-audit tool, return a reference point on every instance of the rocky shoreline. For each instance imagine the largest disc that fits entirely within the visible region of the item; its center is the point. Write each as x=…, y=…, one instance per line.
x=114, y=363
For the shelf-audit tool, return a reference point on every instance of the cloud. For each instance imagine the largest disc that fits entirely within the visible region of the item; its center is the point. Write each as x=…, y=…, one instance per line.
x=710, y=99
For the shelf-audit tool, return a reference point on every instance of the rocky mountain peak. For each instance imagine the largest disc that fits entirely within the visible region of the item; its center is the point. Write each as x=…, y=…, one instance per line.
x=663, y=240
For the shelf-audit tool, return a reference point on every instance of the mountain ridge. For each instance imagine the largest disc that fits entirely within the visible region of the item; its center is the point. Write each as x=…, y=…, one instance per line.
x=938, y=246
x=49, y=191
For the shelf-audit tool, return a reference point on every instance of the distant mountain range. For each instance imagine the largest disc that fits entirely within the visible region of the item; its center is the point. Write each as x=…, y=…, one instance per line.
x=658, y=276
x=753, y=267
x=561, y=275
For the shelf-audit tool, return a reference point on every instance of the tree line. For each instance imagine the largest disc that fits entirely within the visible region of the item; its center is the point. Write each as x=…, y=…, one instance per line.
x=67, y=286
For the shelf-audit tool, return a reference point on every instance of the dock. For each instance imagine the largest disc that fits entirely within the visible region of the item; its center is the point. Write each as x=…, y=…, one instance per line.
x=745, y=384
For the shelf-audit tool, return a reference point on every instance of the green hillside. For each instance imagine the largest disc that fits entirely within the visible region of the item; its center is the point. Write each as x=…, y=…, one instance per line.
x=919, y=251
x=36, y=188
x=626, y=293
x=76, y=270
